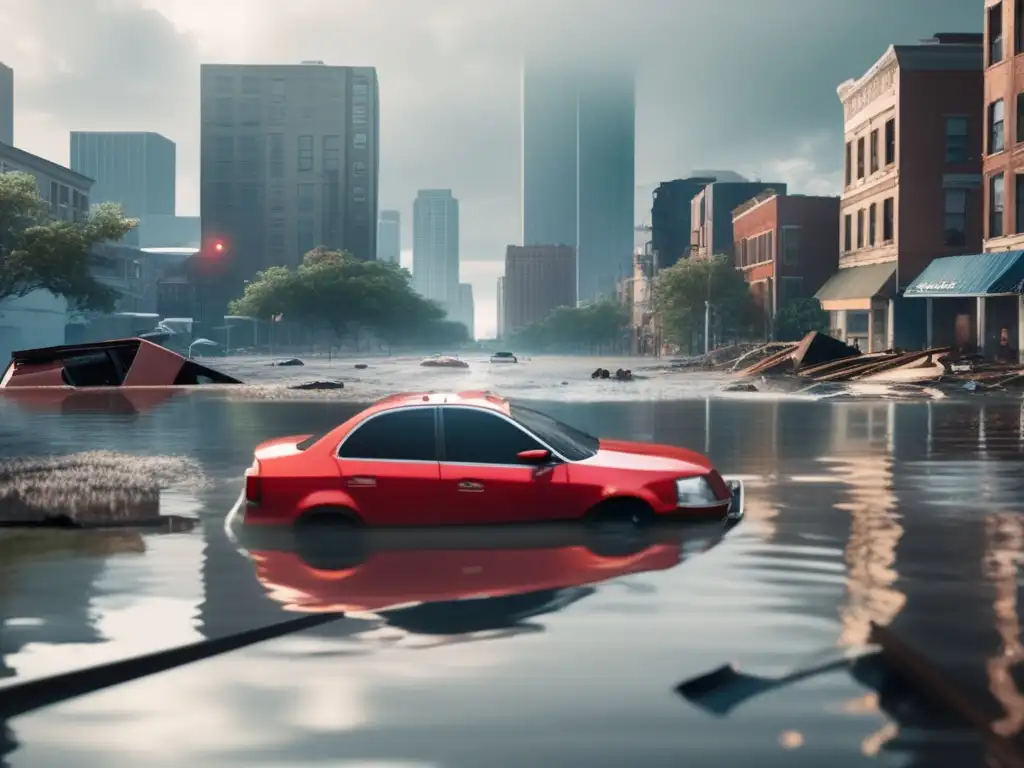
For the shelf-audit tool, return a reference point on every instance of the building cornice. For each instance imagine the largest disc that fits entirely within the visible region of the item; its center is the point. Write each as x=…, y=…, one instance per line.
x=881, y=72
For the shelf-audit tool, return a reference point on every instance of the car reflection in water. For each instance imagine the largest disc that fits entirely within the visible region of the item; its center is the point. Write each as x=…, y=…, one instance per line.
x=459, y=581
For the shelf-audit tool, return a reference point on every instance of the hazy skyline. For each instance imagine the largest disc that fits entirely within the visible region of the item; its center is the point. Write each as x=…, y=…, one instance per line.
x=743, y=85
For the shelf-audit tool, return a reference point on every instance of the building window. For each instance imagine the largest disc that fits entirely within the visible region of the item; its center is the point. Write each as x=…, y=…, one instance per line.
x=956, y=216
x=275, y=151
x=1018, y=182
x=305, y=198
x=890, y=141
x=304, y=237
x=995, y=34
x=275, y=200
x=358, y=169
x=1018, y=26
x=252, y=86
x=995, y=206
x=956, y=140
x=872, y=223
x=791, y=245
x=860, y=228
x=874, y=151
x=223, y=111
x=305, y=153
x=332, y=153
x=888, y=216
x=359, y=141
x=792, y=288
x=849, y=163
x=860, y=158
x=847, y=233
x=995, y=127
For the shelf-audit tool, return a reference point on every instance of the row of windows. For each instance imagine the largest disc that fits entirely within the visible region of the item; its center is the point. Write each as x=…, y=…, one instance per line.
x=867, y=226
x=243, y=155
x=995, y=49
x=996, y=121
x=996, y=224
x=470, y=437
x=872, y=165
x=762, y=248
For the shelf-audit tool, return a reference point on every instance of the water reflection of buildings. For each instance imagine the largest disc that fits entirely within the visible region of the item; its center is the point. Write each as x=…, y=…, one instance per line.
x=1005, y=537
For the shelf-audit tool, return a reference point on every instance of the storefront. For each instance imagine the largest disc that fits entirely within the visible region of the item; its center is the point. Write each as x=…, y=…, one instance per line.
x=859, y=302
x=973, y=302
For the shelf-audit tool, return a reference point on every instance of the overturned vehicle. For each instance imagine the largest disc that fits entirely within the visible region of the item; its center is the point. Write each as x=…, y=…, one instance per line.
x=120, y=363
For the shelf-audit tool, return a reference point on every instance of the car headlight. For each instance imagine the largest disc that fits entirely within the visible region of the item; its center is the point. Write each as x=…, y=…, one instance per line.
x=695, y=492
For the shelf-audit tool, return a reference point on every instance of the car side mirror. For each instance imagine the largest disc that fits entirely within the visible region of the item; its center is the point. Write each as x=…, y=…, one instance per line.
x=534, y=456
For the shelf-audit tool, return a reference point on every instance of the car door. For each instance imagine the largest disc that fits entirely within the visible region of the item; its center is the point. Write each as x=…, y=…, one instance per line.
x=388, y=466
x=482, y=480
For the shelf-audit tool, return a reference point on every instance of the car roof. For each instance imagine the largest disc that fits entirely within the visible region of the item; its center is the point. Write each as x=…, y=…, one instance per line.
x=475, y=398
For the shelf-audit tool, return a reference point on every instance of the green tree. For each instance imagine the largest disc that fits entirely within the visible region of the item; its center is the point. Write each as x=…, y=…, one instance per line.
x=680, y=293
x=39, y=253
x=348, y=296
x=798, y=317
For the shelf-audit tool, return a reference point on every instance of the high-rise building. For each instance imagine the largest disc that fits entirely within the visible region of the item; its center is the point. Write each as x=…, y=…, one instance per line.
x=389, y=237
x=134, y=169
x=500, y=333
x=578, y=175
x=435, y=247
x=538, y=279
x=467, y=309
x=289, y=162
x=6, y=105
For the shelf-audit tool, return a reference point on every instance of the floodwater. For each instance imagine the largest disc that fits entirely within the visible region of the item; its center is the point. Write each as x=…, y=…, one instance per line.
x=858, y=510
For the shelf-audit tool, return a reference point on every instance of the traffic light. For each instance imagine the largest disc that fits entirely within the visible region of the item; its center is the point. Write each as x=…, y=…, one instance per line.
x=218, y=246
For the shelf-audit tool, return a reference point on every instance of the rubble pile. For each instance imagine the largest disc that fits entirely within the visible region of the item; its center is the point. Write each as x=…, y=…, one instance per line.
x=822, y=358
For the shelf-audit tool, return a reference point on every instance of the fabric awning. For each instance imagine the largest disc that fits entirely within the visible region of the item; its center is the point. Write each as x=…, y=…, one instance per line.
x=977, y=274
x=867, y=282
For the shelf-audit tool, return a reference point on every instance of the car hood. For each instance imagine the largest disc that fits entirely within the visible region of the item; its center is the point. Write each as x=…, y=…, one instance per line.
x=624, y=454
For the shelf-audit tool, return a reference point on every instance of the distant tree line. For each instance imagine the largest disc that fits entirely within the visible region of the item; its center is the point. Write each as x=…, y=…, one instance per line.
x=602, y=326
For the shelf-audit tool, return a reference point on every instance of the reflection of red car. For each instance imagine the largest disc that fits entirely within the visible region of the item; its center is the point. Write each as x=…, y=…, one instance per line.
x=392, y=575
x=474, y=458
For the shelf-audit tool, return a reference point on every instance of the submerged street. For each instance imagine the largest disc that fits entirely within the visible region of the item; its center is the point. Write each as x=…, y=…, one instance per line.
x=859, y=510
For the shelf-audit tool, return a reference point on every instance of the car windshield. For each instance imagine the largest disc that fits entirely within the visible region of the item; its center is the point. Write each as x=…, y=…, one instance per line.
x=572, y=443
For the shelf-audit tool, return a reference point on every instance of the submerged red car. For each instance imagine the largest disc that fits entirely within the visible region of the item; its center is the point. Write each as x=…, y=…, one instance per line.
x=475, y=458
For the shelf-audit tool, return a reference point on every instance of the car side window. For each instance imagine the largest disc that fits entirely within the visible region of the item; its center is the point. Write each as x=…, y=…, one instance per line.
x=474, y=436
x=404, y=435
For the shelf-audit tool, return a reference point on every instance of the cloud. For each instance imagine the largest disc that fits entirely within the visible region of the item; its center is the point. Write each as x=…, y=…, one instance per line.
x=727, y=84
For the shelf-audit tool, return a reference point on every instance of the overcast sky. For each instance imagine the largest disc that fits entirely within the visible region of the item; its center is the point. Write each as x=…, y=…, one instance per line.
x=742, y=84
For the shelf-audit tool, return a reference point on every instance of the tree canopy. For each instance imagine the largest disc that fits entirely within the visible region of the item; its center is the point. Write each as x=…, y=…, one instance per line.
x=798, y=317
x=681, y=290
x=335, y=291
x=588, y=328
x=37, y=252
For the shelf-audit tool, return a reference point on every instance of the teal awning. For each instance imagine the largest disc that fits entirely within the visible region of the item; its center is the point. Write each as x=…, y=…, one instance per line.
x=980, y=274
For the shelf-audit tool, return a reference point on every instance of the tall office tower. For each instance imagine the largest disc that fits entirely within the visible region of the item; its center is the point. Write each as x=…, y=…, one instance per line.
x=578, y=174
x=467, y=309
x=500, y=329
x=135, y=170
x=6, y=104
x=435, y=247
x=389, y=237
x=289, y=162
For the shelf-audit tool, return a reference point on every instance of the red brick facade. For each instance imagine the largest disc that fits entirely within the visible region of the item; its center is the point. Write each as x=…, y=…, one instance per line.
x=786, y=246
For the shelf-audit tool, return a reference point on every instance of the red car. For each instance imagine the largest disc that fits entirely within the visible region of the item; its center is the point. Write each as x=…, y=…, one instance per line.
x=474, y=458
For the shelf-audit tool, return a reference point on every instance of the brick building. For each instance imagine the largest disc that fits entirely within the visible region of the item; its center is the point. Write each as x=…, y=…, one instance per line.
x=711, y=214
x=973, y=301
x=538, y=279
x=912, y=186
x=786, y=246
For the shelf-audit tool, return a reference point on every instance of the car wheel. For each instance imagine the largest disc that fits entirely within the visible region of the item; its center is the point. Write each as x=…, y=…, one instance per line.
x=618, y=528
x=330, y=539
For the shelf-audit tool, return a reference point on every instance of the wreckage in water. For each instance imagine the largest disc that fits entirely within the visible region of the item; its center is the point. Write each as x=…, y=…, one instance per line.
x=120, y=363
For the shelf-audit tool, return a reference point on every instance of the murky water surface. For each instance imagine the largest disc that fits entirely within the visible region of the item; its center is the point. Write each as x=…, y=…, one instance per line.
x=858, y=511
